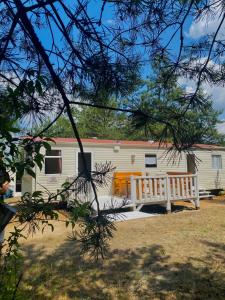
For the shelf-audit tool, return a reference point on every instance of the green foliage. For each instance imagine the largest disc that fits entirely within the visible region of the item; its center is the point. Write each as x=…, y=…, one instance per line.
x=102, y=123
x=11, y=266
x=164, y=115
x=78, y=212
x=91, y=122
x=14, y=109
x=168, y=116
x=97, y=64
x=35, y=210
x=94, y=235
x=62, y=128
x=10, y=277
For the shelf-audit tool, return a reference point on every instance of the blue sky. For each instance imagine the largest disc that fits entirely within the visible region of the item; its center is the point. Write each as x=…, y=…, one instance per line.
x=193, y=31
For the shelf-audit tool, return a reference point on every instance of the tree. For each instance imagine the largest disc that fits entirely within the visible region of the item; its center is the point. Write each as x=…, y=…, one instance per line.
x=157, y=95
x=164, y=97
x=91, y=122
x=52, y=50
x=43, y=77
x=108, y=124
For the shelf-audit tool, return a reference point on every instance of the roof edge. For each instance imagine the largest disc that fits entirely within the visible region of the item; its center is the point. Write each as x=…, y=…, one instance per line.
x=139, y=143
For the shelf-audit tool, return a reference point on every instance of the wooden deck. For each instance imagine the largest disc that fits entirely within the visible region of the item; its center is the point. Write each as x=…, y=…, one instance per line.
x=140, y=190
x=164, y=189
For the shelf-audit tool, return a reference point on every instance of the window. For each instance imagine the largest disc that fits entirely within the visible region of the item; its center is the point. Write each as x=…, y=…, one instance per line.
x=53, y=162
x=150, y=161
x=81, y=165
x=216, y=162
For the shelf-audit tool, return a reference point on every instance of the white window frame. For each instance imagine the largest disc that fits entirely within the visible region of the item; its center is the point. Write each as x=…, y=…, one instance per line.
x=55, y=156
x=153, y=155
x=221, y=162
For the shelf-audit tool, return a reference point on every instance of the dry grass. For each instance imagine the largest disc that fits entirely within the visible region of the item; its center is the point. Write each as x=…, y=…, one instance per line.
x=177, y=256
x=12, y=200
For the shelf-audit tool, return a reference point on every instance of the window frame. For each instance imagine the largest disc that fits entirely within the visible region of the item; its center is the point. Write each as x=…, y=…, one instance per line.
x=151, y=155
x=53, y=156
x=221, y=161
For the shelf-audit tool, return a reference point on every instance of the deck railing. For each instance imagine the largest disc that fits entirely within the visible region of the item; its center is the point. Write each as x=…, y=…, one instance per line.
x=164, y=188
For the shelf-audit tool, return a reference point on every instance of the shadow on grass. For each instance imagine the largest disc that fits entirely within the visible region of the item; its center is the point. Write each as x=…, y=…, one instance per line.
x=143, y=273
x=160, y=209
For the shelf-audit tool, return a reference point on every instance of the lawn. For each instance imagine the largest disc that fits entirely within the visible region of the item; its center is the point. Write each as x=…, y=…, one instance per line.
x=176, y=256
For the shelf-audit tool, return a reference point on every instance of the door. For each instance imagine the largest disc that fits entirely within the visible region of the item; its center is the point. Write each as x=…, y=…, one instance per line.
x=191, y=163
x=88, y=158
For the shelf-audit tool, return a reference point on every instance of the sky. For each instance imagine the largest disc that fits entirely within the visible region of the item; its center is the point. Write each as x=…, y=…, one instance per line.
x=193, y=31
x=198, y=30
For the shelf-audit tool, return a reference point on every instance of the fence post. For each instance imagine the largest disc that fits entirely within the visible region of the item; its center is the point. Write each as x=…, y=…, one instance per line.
x=168, y=196
x=197, y=200
x=133, y=190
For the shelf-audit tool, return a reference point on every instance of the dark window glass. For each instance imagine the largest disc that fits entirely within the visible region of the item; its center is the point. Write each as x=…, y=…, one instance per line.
x=150, y=161
x=18, y=185
x=53, y=165
x=81, y=165
x=53, y=153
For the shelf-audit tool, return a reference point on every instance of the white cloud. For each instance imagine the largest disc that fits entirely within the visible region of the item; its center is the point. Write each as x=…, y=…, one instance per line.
x=203, y=27
x=216, y=92
x=221, y=127
x=208, y=24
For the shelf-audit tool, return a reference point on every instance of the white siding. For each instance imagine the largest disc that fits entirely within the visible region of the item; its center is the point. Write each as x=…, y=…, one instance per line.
x=54, y=182
x=210, y=178
x=121, y=159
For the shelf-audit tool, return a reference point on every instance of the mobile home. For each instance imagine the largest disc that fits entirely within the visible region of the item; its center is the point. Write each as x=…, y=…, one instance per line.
x=139, y=157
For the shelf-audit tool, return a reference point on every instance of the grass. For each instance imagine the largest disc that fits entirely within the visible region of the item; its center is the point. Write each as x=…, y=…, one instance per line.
x=12, y=200
x=176, y=256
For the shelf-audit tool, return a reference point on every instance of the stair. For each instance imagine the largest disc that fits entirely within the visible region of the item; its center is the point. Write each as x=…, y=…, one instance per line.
x=205, y=194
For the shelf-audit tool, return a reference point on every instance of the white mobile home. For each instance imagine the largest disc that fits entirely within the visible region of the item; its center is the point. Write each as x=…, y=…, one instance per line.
x=63, y=161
